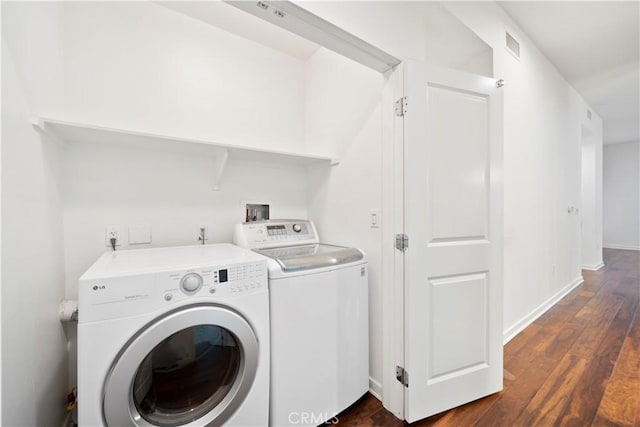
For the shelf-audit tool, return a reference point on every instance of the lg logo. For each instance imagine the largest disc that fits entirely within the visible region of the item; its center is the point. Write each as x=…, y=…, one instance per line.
x=98, y=287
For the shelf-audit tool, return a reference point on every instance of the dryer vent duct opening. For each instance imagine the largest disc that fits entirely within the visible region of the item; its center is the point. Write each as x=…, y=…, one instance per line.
x=512, y=45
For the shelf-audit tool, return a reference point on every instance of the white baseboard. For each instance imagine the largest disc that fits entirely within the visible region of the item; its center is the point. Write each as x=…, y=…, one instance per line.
x=595, y=267
x=538, y=311
x=625, y=247
x=375, y=388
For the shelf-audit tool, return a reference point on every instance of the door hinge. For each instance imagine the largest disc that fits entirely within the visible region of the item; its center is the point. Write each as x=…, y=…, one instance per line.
x=402, y=376
x=401, y=106
x=500, y=83
x=402, y=242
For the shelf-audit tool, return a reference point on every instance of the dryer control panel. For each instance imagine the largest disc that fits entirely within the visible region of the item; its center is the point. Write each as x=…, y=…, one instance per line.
x=275, y=233
x=221, y=281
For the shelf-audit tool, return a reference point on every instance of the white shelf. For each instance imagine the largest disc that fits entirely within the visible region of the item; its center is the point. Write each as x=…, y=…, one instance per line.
x=88, y=133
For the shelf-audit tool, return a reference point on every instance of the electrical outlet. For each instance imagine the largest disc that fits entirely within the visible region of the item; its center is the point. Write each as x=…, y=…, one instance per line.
x=203, y=234
x=112, y=231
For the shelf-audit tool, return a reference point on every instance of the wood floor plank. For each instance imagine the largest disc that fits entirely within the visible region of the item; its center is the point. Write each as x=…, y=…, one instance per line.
x=513, y=401
x=565, y=338
x=522, y=340
x=620, y=401
x=547, y=403
x=466, y=415
x=581, y=408
x=363, y=413
x=591, y=338
x=599, y=302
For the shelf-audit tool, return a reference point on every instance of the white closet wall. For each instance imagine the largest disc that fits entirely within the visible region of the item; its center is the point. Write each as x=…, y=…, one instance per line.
x=34, y=345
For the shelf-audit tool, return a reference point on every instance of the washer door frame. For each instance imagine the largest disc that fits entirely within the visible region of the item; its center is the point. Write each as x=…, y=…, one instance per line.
x=118, y=407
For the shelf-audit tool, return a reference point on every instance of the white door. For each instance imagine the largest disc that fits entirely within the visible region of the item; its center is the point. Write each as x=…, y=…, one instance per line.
x=453, y=219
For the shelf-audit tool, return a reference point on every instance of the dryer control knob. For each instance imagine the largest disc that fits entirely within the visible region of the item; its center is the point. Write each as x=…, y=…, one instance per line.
x=297, y=228
x=191, y=283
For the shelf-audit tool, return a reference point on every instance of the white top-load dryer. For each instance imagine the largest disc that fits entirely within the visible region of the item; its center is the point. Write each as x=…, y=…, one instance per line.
x=319, y=321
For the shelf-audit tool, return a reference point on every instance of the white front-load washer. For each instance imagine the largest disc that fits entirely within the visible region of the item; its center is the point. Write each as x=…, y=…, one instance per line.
x=319, y=321
x=174, y=336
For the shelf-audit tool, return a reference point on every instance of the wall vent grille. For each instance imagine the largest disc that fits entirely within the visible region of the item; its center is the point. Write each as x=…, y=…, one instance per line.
x=512, y=45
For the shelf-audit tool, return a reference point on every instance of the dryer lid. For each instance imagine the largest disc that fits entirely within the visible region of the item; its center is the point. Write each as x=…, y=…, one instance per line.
x=307, y=257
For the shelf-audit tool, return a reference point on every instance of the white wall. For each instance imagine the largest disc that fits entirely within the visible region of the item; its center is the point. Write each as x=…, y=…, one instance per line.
x=591, y=203
x=543, y=119
x=1, y=48
x=141, y=66
x=168, y=190
x=144, y=67
x=343, y=115
x=0, y=226
x=621, y=205
x=34, y=348
x=542, y=138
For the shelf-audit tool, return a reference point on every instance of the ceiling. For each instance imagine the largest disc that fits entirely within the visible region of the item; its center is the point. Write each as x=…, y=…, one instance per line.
x=596, y=46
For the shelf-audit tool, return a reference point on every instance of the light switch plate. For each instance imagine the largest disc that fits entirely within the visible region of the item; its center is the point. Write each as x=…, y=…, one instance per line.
x=374, y=218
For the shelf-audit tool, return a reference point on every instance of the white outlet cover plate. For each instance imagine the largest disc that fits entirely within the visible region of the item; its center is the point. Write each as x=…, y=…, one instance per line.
x=139, y=234
x=107, y=235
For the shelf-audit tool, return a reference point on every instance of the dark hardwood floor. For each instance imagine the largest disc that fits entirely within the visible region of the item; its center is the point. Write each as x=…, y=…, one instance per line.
x=576, y=365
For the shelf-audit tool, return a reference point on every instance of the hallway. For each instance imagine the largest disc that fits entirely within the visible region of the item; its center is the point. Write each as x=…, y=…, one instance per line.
x=576, y=365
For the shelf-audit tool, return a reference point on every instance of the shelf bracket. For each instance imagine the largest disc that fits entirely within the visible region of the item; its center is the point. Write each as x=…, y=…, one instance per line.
x=219, y=164
x=40, y=126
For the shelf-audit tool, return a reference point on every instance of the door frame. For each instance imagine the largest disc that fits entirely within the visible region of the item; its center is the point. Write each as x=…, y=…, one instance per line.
x=392, y=259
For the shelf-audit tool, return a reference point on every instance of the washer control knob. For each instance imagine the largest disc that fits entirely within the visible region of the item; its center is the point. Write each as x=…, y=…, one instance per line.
x=191, y=283
x=297, y=228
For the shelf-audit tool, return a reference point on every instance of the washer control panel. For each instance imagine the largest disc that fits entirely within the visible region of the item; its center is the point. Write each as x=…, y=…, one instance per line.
x=125, y=296
x=272, y=233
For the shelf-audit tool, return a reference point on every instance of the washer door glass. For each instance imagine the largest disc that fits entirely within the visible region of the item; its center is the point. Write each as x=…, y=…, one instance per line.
x=192, y=366
x=186, y=375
